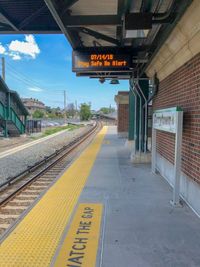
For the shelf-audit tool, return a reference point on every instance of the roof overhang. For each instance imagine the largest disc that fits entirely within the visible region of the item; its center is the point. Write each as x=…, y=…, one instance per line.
x=138, y=27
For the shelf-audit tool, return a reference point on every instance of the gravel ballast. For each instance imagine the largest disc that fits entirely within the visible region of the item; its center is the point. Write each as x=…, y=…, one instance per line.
x=12, y=165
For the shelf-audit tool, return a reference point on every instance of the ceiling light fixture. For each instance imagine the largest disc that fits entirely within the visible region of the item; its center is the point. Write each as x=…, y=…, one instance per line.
x=114, y=81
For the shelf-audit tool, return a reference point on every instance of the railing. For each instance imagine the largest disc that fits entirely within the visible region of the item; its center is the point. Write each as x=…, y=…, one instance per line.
x=16, y=120
x=13, y=117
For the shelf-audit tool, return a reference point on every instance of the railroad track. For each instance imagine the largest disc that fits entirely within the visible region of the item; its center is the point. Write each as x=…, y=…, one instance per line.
x=21, y=192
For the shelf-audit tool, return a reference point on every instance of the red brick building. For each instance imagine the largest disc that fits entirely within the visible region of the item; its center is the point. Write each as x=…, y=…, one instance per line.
x=177, y=65
x=33, y=104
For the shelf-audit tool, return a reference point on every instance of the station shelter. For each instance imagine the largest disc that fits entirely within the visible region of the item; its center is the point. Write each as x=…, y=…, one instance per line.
x=152, y=44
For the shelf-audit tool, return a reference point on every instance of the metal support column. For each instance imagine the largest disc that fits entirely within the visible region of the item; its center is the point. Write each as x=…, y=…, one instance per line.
x=137, y=117
x=8, y=106
x=7, y=115
x=144, y=87
x=141, y=89
x=6, y=130
x=131, y=115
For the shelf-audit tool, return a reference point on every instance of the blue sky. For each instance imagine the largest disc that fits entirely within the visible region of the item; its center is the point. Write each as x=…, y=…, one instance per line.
x=39, y=66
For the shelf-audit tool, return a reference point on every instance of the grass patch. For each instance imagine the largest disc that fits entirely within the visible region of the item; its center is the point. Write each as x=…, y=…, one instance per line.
x=57, y=129
x=54, y=130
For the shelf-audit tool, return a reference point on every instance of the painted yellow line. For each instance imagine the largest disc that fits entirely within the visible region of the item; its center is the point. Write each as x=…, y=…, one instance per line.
x=34, y=241
x=27, y=145
x=81, y=243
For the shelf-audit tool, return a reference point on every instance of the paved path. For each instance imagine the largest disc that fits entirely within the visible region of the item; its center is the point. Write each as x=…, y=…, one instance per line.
x=29, y=144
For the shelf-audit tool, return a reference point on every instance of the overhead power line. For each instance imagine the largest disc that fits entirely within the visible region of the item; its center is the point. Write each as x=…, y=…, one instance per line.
x=22, y=76
x=27, y=80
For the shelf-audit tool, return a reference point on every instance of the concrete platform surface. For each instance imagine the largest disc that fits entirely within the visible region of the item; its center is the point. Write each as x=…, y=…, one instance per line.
x=140, y=227
x=104, y=211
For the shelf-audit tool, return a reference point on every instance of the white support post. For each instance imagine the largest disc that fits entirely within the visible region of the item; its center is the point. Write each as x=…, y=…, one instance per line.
x=177, y=159
x=153, y=151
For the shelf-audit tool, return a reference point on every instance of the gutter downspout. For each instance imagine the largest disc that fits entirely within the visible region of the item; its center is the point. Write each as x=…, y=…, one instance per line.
x=140, y=126
x=135, y=113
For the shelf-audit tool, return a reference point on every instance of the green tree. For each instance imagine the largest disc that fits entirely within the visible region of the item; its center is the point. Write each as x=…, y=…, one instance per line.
x=71, y=110
x=85, y=112
x=48, y=109
x=105, y=110
x=38, y=114
x=54, y=113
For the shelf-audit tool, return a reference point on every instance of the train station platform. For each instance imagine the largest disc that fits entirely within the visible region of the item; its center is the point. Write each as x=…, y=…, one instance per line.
x=105, y=211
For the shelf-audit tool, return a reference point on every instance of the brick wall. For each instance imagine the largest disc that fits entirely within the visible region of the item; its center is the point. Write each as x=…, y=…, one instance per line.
x=123, y=118
x=182, y=88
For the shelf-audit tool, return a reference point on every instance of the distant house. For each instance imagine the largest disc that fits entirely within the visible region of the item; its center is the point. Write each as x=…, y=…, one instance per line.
x=33, y=104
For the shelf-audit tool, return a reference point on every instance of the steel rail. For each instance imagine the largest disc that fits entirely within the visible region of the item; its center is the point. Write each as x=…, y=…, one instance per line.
x=69, y=148
x=41, y=162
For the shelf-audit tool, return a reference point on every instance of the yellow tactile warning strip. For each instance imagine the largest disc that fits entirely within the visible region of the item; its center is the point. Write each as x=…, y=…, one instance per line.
x=81, y=243
x=34, y=241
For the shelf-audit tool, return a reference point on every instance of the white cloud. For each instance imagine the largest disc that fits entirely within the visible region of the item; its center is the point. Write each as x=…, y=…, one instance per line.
x=16, y=57
x=2, y=49
x=35, y=89
x=28, y=47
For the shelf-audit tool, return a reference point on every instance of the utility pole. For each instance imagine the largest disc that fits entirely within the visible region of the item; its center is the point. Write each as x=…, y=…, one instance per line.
x=3, y=68
x=76, y=105
x=65, y=115
x=76, y=109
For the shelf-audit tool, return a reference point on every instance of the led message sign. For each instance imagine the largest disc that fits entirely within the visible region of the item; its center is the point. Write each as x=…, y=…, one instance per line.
x=100, y=62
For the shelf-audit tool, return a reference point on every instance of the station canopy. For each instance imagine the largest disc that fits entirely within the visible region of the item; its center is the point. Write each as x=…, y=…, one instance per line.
x=110, y=38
